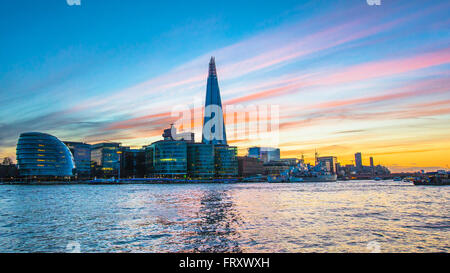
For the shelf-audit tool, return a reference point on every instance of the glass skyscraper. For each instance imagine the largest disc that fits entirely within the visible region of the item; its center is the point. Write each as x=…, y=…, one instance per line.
x=213, y=123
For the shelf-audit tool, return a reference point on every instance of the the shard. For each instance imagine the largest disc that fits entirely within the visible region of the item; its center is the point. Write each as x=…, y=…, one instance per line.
x=213, y=122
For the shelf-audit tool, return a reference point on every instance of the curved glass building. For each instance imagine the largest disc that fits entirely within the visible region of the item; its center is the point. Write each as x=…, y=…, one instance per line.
x=40, y=154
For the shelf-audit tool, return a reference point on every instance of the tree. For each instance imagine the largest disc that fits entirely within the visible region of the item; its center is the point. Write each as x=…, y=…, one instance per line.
x=7, y=161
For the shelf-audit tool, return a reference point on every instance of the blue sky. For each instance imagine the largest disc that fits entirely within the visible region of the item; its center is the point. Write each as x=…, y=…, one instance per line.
x=88, y=72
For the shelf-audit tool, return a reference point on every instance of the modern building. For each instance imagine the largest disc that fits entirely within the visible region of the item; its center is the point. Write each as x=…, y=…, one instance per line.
x=200, y=158
x=358, y=161
x=213, y=120
x=249, y=166
x=330, y=162
x=266, y=154
x=225, y=160
x=105, y=159
x=43, y=155
x=81, y=153
x=169, y=157
x=132, y=163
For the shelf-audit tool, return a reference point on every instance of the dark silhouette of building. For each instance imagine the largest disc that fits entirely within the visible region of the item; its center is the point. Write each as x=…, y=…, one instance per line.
x=132, y=163
x=358, y=161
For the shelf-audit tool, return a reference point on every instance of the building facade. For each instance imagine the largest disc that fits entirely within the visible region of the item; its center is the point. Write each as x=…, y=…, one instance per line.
x=169, y=158
x=330, y=162
x=225, y=160
x=266, y=154
x=358, y=161
x=132, y=163
x=81, y=153
x=105, y=159
x=43, y=155
x=249, y=166
x=200, y=160
x=213, y=121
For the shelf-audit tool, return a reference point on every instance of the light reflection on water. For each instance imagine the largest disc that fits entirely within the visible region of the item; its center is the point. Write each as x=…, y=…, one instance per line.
x=260, y=217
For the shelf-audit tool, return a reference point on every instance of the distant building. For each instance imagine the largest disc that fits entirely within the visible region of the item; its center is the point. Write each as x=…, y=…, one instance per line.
x=43, y=155
x=105, y=159
x=266, y=154
x=330, y=162
x=225, y=160
x=169, y=157
x=200, y=158
x=276, y=167
x=358, y=161
x=81, y=153
x=132, y=163
x=249, y=166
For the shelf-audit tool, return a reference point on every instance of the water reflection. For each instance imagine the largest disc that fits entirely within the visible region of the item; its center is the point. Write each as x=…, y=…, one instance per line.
x=216, y=229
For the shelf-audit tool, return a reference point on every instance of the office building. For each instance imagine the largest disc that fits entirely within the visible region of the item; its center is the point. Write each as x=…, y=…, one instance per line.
x=249, y=166
x=330, y=162
x=225, y=160
x=266, y=154
x=200, y=158
x=169, y=158
x=213, y=121
x=132, y=163
x=81, y=153
x=358, y=161
x=43, y=155
x=105, y=159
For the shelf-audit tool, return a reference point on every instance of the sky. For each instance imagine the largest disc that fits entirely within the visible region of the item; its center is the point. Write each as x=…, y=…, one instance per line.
x=347, y=76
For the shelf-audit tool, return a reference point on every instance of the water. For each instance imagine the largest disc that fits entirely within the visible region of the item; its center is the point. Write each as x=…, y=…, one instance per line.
x=358, y=216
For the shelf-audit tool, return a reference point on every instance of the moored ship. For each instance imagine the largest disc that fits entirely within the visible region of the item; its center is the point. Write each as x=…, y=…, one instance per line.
x=302, y=173
x=439, y=179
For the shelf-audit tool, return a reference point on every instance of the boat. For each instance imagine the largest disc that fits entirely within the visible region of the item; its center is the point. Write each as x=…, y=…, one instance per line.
x=438, y=179
x=397, y=178
x=302, y=173
x=377, y=179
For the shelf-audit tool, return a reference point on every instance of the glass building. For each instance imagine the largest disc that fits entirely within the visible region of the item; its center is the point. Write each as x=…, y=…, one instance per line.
x=81, y=153
x=132, y=163
x=215, y=134
x=266, y=154
x=105, y=159
x=169, y=157
x=225, y=160
x=200, y=158
x=44, y=155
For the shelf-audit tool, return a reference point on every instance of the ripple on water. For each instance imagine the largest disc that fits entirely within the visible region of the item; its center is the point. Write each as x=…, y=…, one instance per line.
x=257, y=217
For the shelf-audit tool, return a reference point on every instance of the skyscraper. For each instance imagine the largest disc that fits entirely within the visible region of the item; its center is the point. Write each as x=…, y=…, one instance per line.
x=213, y=123
x=358, y=160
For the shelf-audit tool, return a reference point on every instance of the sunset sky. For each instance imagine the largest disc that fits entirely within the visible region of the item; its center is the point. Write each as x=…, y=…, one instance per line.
x=347, y=77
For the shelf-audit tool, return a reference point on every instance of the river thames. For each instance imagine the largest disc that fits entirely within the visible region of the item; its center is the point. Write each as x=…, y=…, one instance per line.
x=356, y=216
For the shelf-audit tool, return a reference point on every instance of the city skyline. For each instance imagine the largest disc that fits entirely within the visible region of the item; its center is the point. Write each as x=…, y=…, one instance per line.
x=369, y=79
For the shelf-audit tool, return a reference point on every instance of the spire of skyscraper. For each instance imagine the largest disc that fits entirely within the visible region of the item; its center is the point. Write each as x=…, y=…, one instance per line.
x=213, y=123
